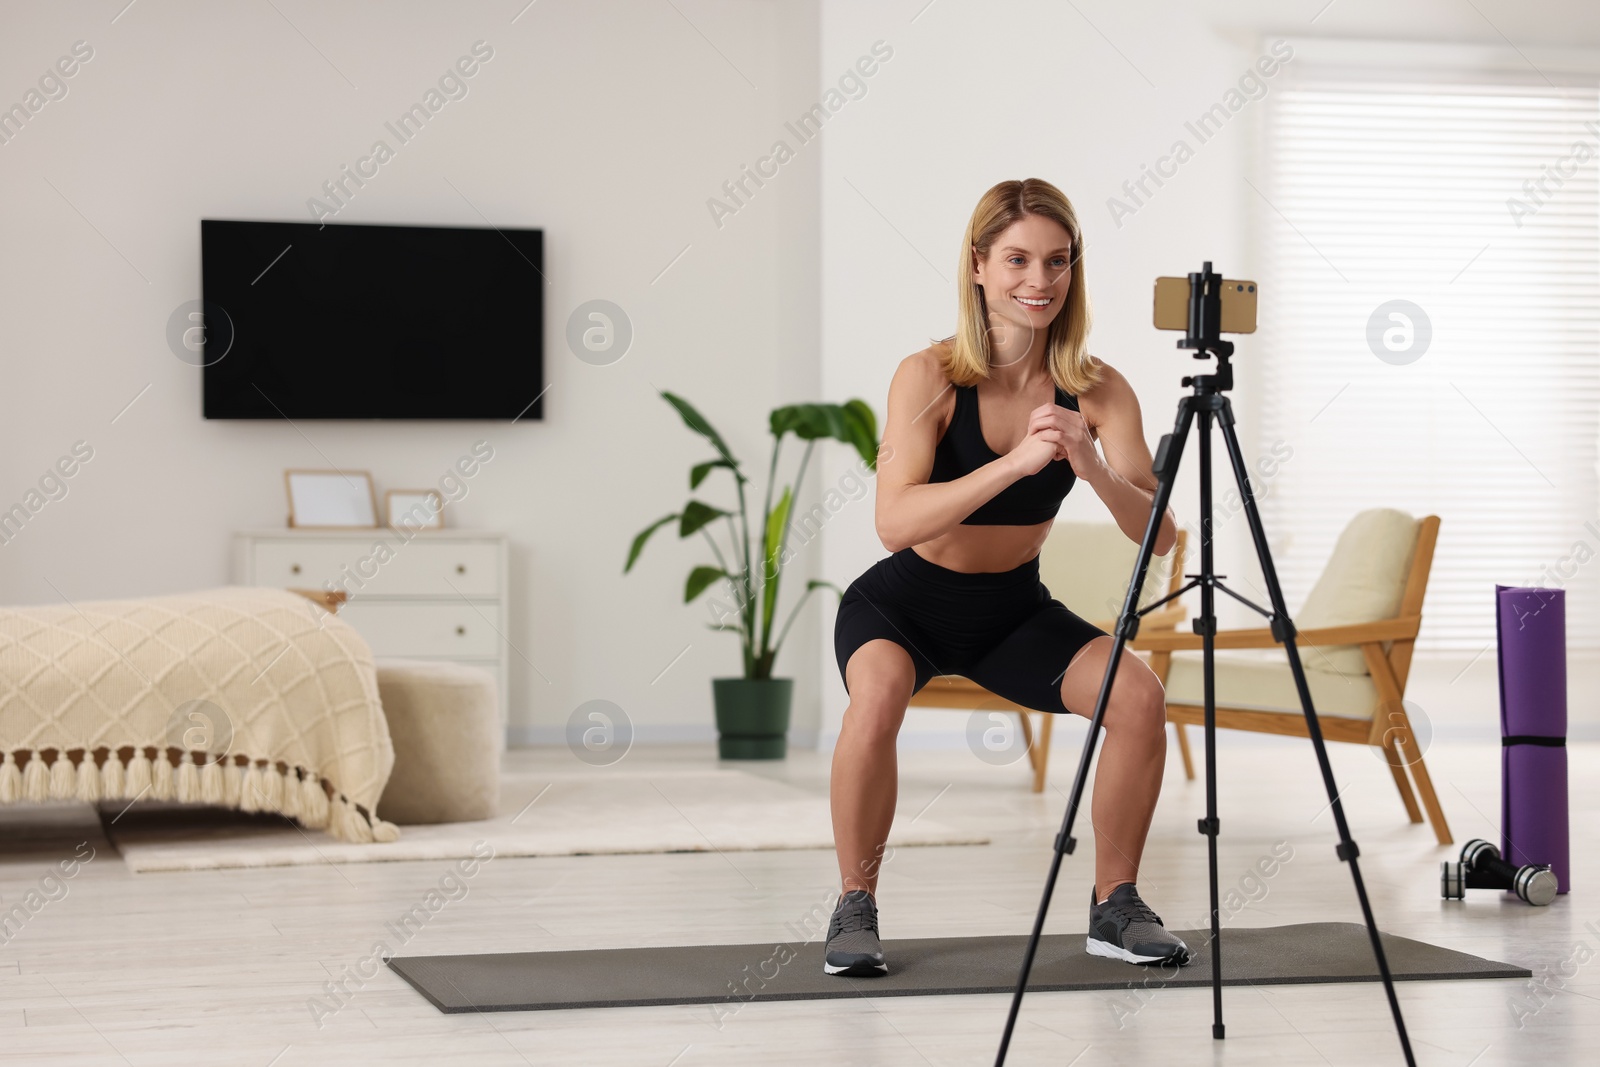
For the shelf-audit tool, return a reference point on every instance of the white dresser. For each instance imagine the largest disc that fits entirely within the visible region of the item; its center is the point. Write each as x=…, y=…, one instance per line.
x=432, y=594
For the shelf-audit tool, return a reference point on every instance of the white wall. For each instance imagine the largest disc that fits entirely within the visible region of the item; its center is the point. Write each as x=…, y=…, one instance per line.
x=608, y=126
x=1084, y=95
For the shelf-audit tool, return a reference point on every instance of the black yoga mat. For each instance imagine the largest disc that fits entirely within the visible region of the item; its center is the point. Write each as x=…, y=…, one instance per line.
x=713, y=974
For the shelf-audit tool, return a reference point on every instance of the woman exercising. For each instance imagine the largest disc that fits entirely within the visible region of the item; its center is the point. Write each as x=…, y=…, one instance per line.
x=987, y=431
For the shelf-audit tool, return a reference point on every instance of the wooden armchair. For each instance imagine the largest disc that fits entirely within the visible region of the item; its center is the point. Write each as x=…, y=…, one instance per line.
x=1086, y=566
x=1356, y=633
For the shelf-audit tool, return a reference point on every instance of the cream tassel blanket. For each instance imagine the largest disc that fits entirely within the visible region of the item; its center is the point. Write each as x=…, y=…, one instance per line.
x=256, y=699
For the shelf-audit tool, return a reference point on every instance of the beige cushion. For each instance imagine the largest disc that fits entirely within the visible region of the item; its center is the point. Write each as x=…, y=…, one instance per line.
x=444, y=721
x=1260, y=679
x=1363, y=582
x=1087, y=565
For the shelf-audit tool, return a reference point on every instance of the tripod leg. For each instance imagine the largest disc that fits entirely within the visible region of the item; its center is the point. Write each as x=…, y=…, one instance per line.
x=1206, y=626
x=1284, y=630
x=1165, y=468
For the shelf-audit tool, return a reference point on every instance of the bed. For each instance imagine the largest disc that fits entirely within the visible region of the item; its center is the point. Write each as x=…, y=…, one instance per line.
x=250, y=698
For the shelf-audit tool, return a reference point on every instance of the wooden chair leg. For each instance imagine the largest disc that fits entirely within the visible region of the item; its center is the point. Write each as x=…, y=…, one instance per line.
x=1041, y=765
x=1398, y=735
x=1183, y=749
x=1430, y=801
x=1396, y=762
x=1027, y=739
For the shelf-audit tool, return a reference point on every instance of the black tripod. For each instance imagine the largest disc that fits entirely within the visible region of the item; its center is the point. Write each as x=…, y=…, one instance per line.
x=1209, y=402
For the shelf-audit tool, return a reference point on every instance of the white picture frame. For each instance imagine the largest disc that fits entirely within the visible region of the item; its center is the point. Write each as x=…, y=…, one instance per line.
x=340, y=500
x=413, y=509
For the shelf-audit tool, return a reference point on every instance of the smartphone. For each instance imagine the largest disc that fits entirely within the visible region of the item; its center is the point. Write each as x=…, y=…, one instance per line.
x=1238, y=305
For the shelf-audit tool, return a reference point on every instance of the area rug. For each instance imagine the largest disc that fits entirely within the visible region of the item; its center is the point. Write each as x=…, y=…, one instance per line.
x=729, y=974
x=689, y=811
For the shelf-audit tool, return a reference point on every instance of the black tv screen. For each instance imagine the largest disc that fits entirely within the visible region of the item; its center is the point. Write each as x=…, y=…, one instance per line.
x=351, y=321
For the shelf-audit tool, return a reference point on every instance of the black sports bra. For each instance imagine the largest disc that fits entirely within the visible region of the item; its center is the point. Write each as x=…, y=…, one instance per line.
x=1030, y=499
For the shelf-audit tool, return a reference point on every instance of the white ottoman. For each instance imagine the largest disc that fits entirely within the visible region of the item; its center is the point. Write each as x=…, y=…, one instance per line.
x=444, y=720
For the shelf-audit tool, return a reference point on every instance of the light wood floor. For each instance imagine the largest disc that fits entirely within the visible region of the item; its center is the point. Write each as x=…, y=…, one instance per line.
x=220, y=967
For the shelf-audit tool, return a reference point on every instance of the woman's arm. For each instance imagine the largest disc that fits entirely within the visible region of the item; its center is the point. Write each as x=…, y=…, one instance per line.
x=909, y=509
x=1124, y=480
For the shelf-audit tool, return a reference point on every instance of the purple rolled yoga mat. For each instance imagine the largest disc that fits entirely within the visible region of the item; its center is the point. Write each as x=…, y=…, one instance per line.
x=1532, y=628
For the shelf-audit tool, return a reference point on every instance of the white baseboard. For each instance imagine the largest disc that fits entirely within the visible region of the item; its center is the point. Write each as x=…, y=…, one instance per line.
x=645, y=734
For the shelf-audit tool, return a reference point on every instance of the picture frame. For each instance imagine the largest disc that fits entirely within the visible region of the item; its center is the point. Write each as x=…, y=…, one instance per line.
x=413, y=509
x=331, y=499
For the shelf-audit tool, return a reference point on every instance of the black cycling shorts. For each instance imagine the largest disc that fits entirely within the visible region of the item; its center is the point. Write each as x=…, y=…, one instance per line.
x=1002, y=629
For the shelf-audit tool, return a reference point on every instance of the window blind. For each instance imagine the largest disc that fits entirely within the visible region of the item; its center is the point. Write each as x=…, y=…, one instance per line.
x=1474, y=199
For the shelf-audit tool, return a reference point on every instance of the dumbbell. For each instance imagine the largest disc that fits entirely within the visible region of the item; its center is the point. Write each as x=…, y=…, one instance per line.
x=1482, y=868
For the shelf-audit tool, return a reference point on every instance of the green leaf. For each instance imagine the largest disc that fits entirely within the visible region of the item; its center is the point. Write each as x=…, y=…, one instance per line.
x=697, y=422
x=809, y=422
x=643, y=536
x=698, y=473
x=863, y=431
x=725, y=626
x=818, y=583
x=851, y=423
x=699, y=579
x=776, y=521
x=696, y=515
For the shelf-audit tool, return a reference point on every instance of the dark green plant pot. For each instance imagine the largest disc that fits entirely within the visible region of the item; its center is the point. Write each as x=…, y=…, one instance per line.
x=752, y=717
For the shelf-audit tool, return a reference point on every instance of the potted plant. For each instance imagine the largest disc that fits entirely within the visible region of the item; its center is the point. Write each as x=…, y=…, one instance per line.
x=753, y=710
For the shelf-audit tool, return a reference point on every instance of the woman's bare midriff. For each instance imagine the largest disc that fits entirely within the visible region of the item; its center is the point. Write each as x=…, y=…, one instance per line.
x=984, y=548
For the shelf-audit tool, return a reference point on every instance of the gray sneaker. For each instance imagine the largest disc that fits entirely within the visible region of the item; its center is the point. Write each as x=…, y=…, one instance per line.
x=1124, y=928
x=853, y=949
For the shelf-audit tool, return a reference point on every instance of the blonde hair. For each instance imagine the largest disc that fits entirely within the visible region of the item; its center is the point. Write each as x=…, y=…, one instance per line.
x=969, y=355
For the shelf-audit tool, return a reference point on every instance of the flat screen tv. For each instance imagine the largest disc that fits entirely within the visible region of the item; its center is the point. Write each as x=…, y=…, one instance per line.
x=351, y=321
